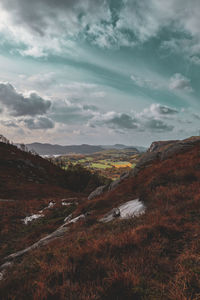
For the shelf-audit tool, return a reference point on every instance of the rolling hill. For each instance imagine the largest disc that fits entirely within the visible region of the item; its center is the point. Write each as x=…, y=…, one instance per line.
x=49, y=149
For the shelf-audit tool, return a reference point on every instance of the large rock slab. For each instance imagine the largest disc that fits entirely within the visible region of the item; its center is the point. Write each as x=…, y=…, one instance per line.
x=126, y=210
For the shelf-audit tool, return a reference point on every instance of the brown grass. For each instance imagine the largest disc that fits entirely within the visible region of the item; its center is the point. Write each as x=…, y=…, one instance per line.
x=154, y=256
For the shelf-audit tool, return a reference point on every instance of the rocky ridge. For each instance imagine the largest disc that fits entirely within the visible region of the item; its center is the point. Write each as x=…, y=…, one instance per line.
x=162, y=150
x=159, y=150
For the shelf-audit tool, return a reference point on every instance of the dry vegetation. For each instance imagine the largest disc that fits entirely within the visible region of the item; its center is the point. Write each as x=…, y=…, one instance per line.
x=154, y=256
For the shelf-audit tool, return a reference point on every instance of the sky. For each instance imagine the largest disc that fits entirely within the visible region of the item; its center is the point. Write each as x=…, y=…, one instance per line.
x=99, y=71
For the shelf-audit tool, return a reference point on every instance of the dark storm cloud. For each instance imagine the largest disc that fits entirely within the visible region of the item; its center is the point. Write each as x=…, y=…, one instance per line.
x=90, y=107
x=19, y=105
x=38, y=14
x=110, y=22
x=32, y=13
x=196, y=116
x=9, y=123
x=158, y=125
x=123, y=121
x=165, y=110
x=67, y=112
x=39, y=123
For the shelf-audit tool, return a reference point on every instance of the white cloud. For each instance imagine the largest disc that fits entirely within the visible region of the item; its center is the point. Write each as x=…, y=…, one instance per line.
x=81, y=91
x=43, y=80
x=71, y=122
x=157, y=118
x=145, y=83
x=114, y=120
x=157, y=111
x=180, y=82
x=68, y=112
x=195, y=59
x=9, y=123
x=162, y=110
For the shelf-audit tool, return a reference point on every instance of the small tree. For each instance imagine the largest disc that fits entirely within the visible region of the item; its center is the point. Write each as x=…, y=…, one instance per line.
x=4, y=140
x=23, y=147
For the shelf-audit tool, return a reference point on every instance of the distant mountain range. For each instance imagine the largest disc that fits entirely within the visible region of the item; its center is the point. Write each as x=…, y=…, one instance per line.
x=121, y=147
x=49, y=149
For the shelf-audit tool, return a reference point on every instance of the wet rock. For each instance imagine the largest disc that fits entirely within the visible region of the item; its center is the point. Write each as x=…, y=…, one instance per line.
x=116, y=212
x=3, y=269
x=124, y=211
x=1, y=275
x=101, y=189
x=114, y=184
x=44, y=241
x=97, y=192
x=28, y=219
x=68, y=218
x=6, y=265
x=124, y=175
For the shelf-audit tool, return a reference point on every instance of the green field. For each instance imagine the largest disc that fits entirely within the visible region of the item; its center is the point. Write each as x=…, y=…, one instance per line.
x=100, y=166
x=121, y=163
x=109, y=163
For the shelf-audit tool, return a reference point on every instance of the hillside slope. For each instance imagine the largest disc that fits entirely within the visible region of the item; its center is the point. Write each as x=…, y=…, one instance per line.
x=22, y=173
x=152, y=256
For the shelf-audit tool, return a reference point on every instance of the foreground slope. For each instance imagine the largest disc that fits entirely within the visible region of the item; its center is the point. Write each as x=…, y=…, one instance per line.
x=151, y=256
x=35, y=196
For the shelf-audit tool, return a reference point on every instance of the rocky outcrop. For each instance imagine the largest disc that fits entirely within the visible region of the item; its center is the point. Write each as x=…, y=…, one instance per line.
x=158, y=145
x=116, y=182
x=6, y=200
x=179, y=147
x=97, y=192
x=147, y=159
x=104, y=188
x=163, y=150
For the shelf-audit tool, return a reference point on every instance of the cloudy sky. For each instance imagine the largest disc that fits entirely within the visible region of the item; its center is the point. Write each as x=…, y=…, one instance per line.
x=99, y=72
